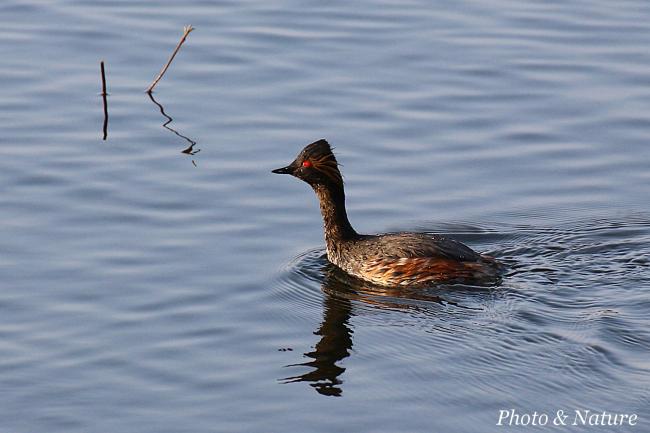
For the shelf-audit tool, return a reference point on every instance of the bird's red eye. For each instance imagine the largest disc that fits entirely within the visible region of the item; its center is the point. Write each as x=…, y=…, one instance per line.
x=306, y=164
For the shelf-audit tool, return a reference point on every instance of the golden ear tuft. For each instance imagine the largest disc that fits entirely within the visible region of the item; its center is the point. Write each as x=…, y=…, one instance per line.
x=319, y=154
x=327, y=165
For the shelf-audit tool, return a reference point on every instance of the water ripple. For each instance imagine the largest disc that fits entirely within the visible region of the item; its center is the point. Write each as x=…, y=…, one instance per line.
x=529, y=320
x=142, y=292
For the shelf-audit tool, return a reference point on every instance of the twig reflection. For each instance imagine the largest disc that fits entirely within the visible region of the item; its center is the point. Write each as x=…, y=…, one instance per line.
x=190, y=149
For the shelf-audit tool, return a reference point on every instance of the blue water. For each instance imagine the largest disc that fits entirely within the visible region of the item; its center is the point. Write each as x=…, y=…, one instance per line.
x=149, y=290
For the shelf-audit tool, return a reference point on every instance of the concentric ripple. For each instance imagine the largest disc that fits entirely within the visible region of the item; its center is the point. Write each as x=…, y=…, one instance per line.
x=565, y=319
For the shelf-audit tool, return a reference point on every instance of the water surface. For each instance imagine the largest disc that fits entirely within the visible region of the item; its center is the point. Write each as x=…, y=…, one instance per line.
x=150, y=290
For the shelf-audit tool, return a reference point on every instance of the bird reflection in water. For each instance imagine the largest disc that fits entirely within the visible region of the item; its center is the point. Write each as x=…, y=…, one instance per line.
x=190, y=149
x=341, y=293
x=335, y=343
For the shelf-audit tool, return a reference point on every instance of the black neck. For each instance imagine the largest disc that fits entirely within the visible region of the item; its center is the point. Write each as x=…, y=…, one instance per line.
x=335, y=218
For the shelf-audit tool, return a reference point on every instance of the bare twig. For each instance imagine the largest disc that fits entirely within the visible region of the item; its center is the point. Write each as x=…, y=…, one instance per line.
x=104, y=100
x=186, y=31
x=103, y=78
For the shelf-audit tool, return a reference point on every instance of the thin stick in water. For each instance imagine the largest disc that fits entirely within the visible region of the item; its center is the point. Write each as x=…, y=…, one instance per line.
x=103, y=79
x=186, y=31
x=104, y=100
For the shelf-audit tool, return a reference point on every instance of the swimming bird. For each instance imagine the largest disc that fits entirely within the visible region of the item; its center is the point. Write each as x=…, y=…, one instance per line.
x=392, y=259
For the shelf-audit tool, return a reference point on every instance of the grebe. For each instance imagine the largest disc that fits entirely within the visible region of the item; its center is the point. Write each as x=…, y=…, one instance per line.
x=397, y=259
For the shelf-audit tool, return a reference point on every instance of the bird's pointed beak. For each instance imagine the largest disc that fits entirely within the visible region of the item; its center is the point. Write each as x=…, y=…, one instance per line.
x=284, y=170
